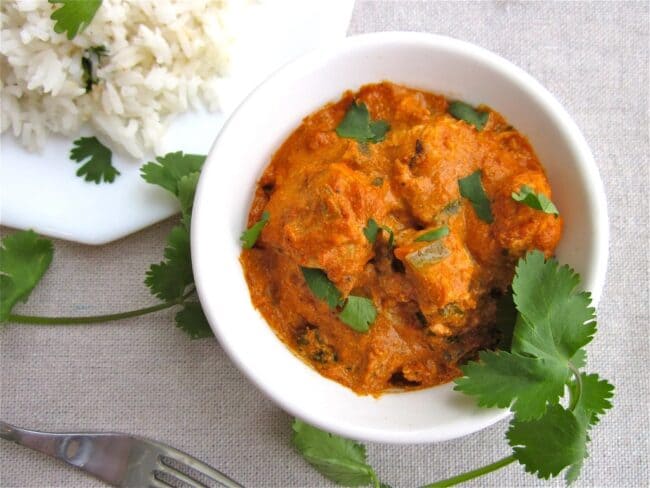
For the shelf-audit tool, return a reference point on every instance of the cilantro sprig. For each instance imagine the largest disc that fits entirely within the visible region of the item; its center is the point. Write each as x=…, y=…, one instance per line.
x=73, y=16
x=99, y=165
x=433, y=235
x=341, y=460
x=372, y=229
x=356, y=124
x=471, y=188
x=358, y=313
x=554, y=322
x=463, y=111
x=249, y=236
x=24, y=258
x=89, y=62
x=538, y=201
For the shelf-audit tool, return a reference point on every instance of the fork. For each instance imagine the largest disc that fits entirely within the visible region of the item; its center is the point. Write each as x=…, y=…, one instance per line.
x=118, y=459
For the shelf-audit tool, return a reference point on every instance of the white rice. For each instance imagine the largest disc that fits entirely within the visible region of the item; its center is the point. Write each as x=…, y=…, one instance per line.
x=164, y=57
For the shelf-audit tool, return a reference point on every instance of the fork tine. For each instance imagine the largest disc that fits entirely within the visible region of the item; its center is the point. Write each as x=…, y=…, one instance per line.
x=156, y=483
x=201, y=467
x=174, y=473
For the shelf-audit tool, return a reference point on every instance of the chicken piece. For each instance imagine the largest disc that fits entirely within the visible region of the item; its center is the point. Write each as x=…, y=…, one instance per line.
x=436, y=156
x=519, y=228
x=317, y=219
x=441, y=272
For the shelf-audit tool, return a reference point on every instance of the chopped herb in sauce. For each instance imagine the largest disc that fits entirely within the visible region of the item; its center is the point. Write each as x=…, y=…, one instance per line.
x=249, y=236
x=358, y=313
x=321, y=286
x=372, y=229
x=472, y=189
x=357, y=125
x=433, y=235
x=538, y=201
x=467, y=113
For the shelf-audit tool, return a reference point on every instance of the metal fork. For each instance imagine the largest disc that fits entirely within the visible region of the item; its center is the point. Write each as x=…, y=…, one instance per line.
x=118, y=459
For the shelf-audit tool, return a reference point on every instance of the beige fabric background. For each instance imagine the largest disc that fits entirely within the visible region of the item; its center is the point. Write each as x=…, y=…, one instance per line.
x=145, y=377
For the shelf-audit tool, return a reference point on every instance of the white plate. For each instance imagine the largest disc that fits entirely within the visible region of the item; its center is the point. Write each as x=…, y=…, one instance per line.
x=40, y=191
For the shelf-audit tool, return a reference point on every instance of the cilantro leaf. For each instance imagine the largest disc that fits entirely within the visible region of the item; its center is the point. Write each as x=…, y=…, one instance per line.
x=371, y=230
x=186, y=190
x=464, y=111
x=169, y=279
x=24, y=258
x=249, y=236
x=433, y=235
x=525, y=384
x=341, y=460
x=558, y=319
x=548, y=445
x=73, y=16
x=170, y=168
x=595, y=398
x=358, y=313
x=191, y=320
x=99, y=165
x=91, y=54
x=321, y=286
x=357, y=125
x=472, y=189
x=538, y=201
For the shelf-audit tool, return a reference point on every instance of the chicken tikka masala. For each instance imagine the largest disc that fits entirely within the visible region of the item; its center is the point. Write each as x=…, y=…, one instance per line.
x=384, y=233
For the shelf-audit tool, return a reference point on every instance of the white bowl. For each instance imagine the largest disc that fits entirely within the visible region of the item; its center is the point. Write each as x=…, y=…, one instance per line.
x=265, y=119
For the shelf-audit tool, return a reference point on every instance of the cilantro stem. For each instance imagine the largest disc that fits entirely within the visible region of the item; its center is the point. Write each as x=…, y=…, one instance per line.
x=96, y=319
x=469, y=475
x=575, y=398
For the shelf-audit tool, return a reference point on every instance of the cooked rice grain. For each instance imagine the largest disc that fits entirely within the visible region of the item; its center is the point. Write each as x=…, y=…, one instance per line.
x=164, y=57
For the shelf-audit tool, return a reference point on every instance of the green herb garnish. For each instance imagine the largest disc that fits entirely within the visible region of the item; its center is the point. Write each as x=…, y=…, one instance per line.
x=321, y=286
x=249, y=236
x=341, y=460
x=89, y=71
x=99, y=165
x=472, y=189
x=24, y=258
x=358, y=313
x=357, y=125
x=538, y=201
x=372, y=229
x=73, y=16
x=467, y=113
x=433, y=235
x=168, y=170
x=554, y=323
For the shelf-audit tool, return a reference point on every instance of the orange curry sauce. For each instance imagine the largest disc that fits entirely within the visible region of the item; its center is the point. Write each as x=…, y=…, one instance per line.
x=320, y=190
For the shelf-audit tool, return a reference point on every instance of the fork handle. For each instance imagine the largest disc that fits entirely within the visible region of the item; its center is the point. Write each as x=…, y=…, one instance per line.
x=45, y=443
x=99, y=454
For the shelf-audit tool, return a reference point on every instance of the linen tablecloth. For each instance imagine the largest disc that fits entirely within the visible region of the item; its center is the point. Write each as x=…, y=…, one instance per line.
x=145, y=377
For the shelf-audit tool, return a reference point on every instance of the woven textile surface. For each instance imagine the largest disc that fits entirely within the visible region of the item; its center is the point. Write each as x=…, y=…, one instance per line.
x=145, y=377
